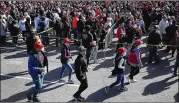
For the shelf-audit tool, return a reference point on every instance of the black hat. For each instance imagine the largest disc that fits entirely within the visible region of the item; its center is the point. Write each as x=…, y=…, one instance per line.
x=81, y=48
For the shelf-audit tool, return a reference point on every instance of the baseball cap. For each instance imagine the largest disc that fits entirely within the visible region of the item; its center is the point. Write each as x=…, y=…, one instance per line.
x=121, y=50
x=138, y=42
x=66, y=40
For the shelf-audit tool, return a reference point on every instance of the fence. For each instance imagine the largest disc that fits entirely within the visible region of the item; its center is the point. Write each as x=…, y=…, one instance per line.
x=110, y=34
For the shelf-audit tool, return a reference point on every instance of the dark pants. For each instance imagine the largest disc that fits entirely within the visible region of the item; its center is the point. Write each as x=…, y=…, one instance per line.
x=58, y=39
x=134, y=71
x=75, y=32
x=14, y=40
x=38, y=81
x=168, y=42
x=120, y=79
x=83, y=86
x=88, y=54
x=2, y=40
x=45, y=38
x=153, y=53
x=176, y=66
x=24, y=35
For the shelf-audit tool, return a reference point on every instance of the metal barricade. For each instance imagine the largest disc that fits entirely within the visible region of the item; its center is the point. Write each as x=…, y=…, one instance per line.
x=110, y=34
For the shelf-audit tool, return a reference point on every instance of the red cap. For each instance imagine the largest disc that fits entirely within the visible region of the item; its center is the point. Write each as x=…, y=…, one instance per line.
x=121, y=50
x=38, y=45
x=138, y=42
x=66, y=40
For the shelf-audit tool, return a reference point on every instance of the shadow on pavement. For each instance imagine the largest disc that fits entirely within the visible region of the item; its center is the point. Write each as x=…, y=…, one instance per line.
x=13, y=74
x=100, y=96
x=106, y=64
x=160, y=69
x=17, y=55
x=22, y=95
x=176, y=97
x=157, y=87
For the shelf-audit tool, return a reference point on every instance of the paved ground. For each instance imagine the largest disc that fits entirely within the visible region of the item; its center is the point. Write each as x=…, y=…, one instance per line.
x=155, y=82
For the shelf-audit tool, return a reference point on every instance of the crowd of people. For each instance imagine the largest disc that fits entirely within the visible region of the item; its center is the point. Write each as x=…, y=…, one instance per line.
x=89, y=22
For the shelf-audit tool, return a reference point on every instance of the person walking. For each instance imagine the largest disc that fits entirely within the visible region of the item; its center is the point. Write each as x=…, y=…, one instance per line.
x=80, y=67
x=118, y=70
x=87, y=42
x=176, y=63
x=37, y=68
x=134, y=60
x=65, y=59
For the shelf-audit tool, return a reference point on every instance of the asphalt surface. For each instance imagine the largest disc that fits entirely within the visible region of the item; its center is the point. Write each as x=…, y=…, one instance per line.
x=155, y=82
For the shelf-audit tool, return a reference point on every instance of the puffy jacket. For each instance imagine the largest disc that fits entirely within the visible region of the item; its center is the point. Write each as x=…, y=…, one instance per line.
x=80, y=67
x=118, y=70
x=154, y=38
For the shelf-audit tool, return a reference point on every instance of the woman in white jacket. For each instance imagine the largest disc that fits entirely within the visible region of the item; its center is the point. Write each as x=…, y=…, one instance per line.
x=163, y=24
x=22, y=27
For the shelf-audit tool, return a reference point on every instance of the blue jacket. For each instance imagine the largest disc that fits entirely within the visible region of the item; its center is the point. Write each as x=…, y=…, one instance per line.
x=34, y=64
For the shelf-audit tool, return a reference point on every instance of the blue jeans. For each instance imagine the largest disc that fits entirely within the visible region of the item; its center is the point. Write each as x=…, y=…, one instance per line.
x=38, y=81
x=153, y=54
x=75, y=32
x=176, y=66
x=120, y=79
x=70, y=69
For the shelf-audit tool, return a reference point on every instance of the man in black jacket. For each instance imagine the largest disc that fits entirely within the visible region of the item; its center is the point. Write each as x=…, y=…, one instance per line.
x=80, y=67
x=170, y=34
x=153, y=40
x=87, y=39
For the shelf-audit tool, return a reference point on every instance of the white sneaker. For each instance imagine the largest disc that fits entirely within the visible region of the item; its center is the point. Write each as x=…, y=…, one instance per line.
x=133, y=81
x=128, y=79
x=89, y=67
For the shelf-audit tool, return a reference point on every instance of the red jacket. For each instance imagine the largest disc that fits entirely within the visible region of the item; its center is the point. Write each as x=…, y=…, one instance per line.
x=133, y=58
x=119, y=33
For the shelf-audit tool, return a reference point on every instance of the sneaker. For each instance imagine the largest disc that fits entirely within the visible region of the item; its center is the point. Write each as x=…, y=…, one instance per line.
x=70, y=82
x=89, y=67
x=29, y=97
x=36, y=100
x=124, y=89
x=133, y=81
x=175, y=74
x=82, y=98
x=106, y=90
x=77, y=98
x=60, y=79
x=128, y=79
